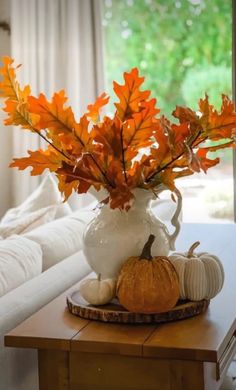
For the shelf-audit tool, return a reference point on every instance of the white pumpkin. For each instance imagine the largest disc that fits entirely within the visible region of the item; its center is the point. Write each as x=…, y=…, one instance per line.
x=201, y=276
x=98, y=291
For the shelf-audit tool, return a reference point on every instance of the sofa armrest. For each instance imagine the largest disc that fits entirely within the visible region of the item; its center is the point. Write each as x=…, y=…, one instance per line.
x=20, y=303
x=19, y=367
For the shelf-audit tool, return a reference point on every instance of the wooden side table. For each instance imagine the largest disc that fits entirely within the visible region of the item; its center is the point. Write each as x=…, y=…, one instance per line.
x=192, y=354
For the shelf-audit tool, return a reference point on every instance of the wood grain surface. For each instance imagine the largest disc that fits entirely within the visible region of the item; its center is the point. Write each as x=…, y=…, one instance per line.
x=53, y=368
x=47, y=328
x=93, y=371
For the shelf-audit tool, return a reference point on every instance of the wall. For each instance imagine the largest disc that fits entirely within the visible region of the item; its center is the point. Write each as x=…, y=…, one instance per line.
x=5, y=132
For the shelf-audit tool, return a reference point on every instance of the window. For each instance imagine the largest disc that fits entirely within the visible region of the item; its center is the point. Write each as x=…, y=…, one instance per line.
x=183, y=48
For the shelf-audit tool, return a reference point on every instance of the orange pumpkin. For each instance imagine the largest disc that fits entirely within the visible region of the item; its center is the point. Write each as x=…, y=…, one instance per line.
x=148, y=284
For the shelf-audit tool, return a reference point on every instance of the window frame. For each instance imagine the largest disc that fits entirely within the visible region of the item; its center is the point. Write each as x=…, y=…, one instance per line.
x=234, y=91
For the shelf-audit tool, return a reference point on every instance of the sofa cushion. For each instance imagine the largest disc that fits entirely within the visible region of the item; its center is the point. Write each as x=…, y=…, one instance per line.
x=20, y=260
x=28, y=222
x=46, y=194
x=60, y=238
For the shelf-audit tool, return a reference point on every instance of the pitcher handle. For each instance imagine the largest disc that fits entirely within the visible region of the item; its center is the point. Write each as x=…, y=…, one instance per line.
x=175, y=220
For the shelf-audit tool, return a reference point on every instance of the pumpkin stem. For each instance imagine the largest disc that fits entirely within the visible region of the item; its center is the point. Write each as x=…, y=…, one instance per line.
x=146, y=253
x=99, y=277
x=191, y=249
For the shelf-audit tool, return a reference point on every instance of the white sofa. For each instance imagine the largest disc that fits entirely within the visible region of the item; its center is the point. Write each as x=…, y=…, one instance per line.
x=18, y=367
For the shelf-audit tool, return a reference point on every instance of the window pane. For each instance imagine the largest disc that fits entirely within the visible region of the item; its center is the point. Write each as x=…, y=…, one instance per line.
x=183, y=48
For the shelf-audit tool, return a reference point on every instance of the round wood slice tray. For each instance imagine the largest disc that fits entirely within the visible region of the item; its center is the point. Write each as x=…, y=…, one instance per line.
x=114, y=312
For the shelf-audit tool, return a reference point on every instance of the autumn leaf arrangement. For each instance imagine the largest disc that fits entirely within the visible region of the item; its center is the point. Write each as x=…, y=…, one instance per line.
x=136, y=148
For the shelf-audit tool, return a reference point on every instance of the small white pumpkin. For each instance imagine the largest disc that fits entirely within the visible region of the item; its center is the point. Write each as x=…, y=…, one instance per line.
x=201, y=276
x=98, y=291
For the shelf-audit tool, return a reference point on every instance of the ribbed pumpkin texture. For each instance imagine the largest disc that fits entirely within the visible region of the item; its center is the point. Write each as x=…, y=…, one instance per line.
x=148, y=284
x=201, y=275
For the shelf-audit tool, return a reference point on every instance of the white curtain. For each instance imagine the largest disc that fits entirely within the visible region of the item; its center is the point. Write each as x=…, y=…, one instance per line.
x=59, y=43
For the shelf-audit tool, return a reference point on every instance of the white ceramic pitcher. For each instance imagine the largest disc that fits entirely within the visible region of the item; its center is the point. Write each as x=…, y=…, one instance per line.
x=114, y=235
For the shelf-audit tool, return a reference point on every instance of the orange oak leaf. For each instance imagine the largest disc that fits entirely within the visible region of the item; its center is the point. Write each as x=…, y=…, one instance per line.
x=89, y=167
x=130, y=96
x=170, y=139
x=108, y=134
x=198, y=122
x=167, y=178
x=39, y=160
x=177, y=135
x=140, y=170
x=115, y=172
x=206, y=163
x=188, y=159
x=198, y=119
x=138, y=130
x=136, y=133
x=82, y=177
x=60, y=123
x=186, y=114
x=195, y=161
x=161, y=151
x=121, y=197
x=94, y=164
x=16, y=105
x=53, y=115
x=205, y=110
x=82, y=133
x=209, y=123
x=66, y=186
x=223, y=123
x=94, y=109
x=77, y=179
x=133, y=149
x=9, y=86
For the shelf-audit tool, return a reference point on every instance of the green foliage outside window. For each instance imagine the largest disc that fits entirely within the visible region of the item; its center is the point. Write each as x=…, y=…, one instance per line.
x=182, y=47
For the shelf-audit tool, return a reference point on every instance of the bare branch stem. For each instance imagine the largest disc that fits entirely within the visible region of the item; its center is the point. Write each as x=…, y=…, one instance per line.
x=51, y=144
x=123, y=155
